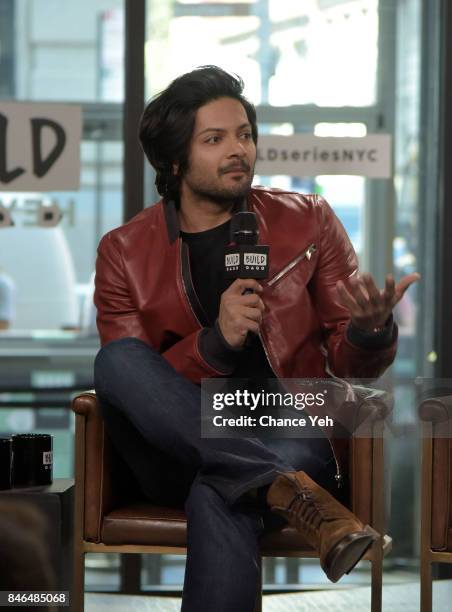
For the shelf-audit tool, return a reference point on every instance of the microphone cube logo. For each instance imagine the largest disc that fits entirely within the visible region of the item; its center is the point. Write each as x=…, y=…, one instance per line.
x=232, y=261
x=47, y=458
x=255, y=261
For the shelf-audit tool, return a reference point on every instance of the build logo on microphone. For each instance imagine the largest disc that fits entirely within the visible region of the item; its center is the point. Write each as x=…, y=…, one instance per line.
x=255, y=261
x=232, y=261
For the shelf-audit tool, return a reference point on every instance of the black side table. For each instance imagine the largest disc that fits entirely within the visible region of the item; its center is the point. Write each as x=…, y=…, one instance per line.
x=56, y=502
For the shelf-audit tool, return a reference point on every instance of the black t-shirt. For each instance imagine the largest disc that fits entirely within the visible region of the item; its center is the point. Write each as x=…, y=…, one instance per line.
x=207, y=270
x=207, y=265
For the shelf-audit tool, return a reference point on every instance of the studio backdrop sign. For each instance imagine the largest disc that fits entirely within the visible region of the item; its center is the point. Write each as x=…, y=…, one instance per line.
x=308, y=155
x=40, y=146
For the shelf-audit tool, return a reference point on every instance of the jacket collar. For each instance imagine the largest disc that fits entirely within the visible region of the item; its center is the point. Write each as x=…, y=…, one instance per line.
x=172, y=218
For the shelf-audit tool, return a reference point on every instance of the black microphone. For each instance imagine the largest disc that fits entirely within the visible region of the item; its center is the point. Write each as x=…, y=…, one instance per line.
x=244, y=258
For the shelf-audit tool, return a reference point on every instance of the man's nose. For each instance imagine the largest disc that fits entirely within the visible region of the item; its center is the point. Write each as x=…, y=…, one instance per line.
x=237, y=148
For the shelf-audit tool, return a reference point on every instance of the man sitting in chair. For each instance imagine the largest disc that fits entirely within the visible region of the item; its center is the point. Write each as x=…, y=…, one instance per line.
x=168, y=318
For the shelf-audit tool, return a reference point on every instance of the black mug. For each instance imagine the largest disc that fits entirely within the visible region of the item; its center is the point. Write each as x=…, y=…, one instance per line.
x=32, y=460
x=5, y=462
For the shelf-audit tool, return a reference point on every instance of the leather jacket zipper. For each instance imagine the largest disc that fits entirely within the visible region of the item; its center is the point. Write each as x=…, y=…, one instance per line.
x=350, y=395
x=189, y=289
x=338, y=477
x=305, y=254
x=266, y=354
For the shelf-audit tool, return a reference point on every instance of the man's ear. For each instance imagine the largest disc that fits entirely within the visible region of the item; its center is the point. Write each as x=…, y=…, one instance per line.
x=175, y=169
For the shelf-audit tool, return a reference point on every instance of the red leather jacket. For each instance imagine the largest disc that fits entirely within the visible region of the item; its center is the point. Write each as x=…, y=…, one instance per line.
x=144, y=289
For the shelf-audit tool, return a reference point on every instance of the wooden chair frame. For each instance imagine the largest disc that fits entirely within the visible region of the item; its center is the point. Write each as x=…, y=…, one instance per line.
x=428, y=554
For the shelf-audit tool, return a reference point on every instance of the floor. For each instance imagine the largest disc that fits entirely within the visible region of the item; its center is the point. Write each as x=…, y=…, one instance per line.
x=402, y=597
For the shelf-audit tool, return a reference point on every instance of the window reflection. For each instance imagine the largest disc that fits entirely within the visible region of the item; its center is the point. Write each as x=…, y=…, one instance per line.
x=52, y=267
x=322, y=52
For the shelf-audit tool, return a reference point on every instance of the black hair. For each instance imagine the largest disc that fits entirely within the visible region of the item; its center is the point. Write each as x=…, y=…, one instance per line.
x=166, y=125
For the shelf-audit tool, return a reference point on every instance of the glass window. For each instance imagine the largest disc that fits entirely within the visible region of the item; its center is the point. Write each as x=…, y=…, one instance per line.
x=315, y=48
x=66, y=52
x=282, y=49
x=69, y=50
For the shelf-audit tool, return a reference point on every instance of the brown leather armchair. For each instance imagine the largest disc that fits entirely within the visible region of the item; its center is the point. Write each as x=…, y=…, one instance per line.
x=107, y=520
x=436, y=475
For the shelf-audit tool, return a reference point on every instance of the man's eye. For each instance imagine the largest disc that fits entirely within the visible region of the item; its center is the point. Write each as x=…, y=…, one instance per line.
x=246, y=135
x=213, y=139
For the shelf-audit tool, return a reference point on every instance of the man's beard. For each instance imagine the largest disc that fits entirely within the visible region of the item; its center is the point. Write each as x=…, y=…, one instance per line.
x=224, y=197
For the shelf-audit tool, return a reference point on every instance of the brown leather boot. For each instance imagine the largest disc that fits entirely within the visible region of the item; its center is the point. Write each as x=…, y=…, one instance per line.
x=337, y=534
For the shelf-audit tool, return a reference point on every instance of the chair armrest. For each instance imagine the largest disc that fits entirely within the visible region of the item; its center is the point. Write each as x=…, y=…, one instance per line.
x=84, y=403
x=369, y=414
x=92, y=462
x=436, y=410
x=373, y=410
x=436, y=417
x=368, y=477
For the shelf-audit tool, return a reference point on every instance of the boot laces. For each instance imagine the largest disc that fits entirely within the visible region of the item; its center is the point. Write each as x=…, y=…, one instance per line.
x=305, y=508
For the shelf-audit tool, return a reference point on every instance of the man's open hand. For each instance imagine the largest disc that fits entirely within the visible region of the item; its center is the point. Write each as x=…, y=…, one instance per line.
x=368, y=306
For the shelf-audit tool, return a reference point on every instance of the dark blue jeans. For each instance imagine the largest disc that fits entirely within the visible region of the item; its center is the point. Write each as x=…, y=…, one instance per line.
x=153, y=417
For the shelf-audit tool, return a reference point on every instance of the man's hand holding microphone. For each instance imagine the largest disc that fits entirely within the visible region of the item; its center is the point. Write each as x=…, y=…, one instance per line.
x=241, y=307
x=240, y=313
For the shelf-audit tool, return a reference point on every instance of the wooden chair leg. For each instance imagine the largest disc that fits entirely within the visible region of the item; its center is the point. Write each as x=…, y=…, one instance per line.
x=377, y=577
x=426, y=585
x=78, y=585
x=426, y=516
x=258, y=604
